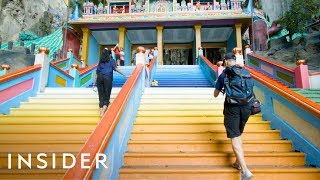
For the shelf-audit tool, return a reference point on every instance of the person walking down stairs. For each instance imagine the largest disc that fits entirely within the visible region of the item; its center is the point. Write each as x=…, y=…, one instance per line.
x=236, y=111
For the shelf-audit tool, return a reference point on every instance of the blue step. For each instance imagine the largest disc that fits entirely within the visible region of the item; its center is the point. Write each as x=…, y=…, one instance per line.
x=181, y=76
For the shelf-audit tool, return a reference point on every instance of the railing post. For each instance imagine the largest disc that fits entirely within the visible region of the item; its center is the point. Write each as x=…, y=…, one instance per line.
x=10, y=45
x=43, y=59
x=301, y=73
x=75, y=74
x=33, y=47
x=5, y=69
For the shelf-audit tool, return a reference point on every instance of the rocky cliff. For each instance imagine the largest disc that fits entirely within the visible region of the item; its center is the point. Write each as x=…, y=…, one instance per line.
x=40, y=17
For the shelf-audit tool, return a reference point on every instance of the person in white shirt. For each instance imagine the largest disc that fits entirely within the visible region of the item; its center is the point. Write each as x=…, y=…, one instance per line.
x=141, y=59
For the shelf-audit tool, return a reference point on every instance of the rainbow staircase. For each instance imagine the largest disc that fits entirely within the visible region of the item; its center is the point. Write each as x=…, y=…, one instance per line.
x=179, y=134
x=57, y=121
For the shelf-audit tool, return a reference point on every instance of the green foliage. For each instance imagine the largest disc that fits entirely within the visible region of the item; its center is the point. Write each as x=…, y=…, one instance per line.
x=300, y=14
x=256, y=4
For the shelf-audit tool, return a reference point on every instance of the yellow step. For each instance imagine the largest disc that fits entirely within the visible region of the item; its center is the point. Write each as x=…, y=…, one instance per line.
x=179, y=96
x=51, y=128
x=179, y=101
x=44, y=136
x=63, y=101
x=82, y=106
x=207, y=146
x=205, y=127
x=72, y=96
x=11, y=119
x=202, y=136
x=182, y=113
x=53, y=112
x=34, y=161
x=32, y=174
x=40, y=117
x=41, y=146
x=179, y=107
x=216, y=172
x=200, y=119
x=214, y=159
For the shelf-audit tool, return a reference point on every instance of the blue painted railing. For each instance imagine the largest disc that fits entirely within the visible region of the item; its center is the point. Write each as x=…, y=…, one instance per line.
x=17, y=86
x=275, y=70
x=208, y=68
x=297, y=117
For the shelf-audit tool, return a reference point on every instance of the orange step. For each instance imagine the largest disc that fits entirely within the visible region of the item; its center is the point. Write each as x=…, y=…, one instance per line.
x=202, y=136
x=213, y=159
x=216, y=172
x=206, y=146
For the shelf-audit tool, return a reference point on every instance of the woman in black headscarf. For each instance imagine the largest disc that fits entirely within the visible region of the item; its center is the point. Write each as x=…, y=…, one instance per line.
x=104, y=79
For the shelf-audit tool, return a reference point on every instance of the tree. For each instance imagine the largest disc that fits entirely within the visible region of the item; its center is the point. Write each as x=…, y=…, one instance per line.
x=300, y=14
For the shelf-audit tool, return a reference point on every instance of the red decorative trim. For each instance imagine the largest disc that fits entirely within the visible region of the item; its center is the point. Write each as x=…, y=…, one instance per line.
x=15, y=90
x=63, y=72
x=19, y=73
x=213, y=67
x=285, y=92
x=272, y=63
x=85, y=70
x=101, y=136
x=60, y=61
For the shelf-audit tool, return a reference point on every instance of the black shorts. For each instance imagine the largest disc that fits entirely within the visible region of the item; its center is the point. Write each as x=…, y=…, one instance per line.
x=235, y=118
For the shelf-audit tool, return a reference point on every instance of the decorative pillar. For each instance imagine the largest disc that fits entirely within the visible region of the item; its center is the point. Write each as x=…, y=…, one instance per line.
x=160, y=44
x=43, y=59
x=301, y=74
x=197, y=29
x=122, y=34
x=85, y=44
x=75, y=74
x=5, y=68
x=238, y=35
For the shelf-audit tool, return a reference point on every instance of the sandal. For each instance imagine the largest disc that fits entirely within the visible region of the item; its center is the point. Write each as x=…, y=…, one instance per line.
x=236, y=166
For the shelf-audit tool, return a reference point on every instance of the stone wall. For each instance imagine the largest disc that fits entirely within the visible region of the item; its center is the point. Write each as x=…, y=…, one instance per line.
x=275, y=8
x=27, y=15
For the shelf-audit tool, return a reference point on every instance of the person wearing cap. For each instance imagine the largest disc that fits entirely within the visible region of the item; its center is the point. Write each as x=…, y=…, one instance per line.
x=235, y=118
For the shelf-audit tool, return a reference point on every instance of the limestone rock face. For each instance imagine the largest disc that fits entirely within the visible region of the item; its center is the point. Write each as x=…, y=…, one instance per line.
x=38, y=16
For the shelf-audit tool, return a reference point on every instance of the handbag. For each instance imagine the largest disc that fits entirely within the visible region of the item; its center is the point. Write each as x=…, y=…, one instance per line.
x=255, y=106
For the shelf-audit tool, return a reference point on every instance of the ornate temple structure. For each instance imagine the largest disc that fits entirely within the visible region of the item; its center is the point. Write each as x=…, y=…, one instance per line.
x=177, y=27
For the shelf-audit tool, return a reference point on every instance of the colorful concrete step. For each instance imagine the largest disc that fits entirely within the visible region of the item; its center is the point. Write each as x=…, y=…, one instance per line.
x=47, y=128
x=32, y=173
x=207, y=146
x=216, y=172
x=31, y=136
x=206, y=127
x=202, y=136
x=200, y=119
x=71, y=106
x=54, y=112
x=213, y=159
x=41, y=146
x=179, y=101
x=189, y=107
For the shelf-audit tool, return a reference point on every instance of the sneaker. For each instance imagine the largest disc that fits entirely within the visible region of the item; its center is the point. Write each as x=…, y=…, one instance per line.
x=246, y=175
x=236, y=166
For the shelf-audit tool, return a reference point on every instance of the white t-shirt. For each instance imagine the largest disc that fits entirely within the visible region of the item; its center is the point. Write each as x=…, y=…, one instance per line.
x=140, y=59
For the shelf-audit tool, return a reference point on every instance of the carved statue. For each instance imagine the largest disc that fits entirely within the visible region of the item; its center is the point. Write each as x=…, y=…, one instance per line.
x=274, y=29
x=198, y=6
x=115, y=9
x=208, y=7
